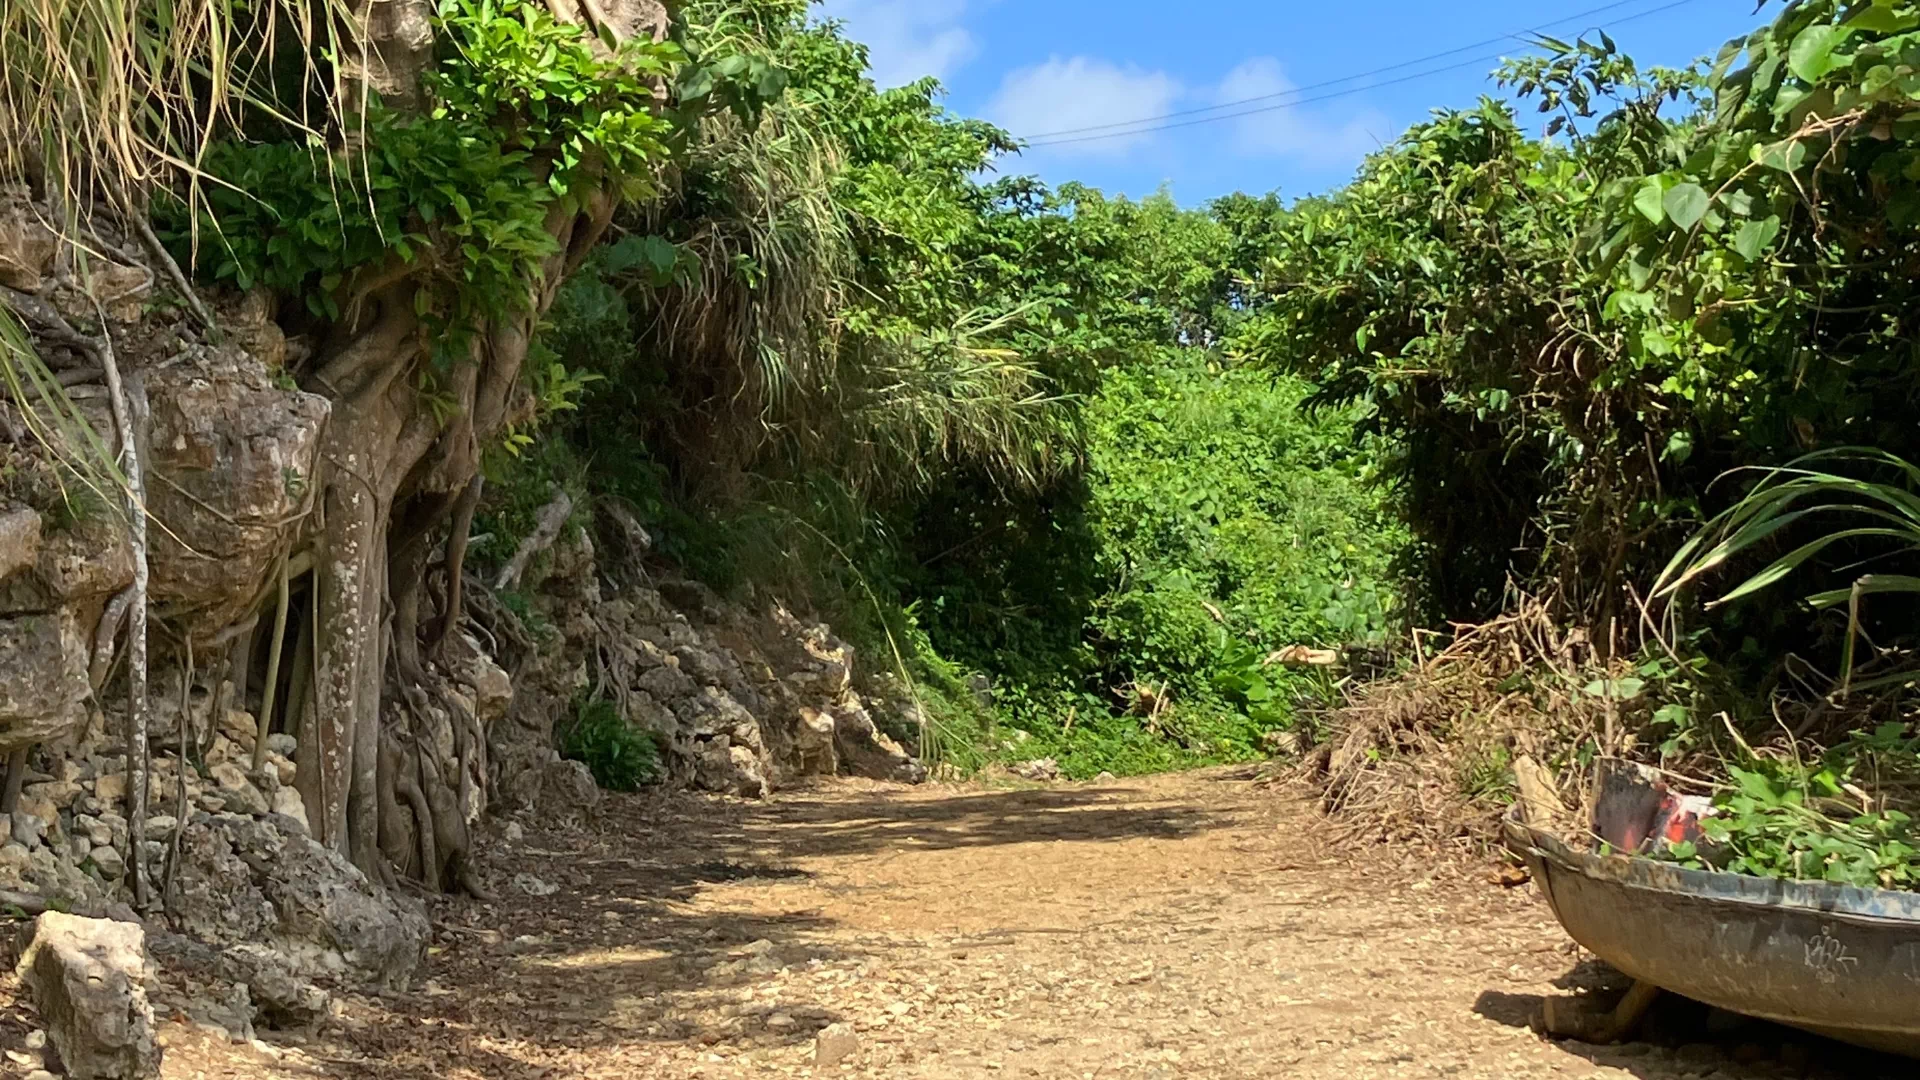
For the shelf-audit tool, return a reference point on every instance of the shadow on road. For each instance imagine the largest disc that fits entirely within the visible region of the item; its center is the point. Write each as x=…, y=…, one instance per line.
x=626, y=948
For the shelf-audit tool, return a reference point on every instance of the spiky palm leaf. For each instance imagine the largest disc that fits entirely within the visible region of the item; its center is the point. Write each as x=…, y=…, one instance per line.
x=1802, y=491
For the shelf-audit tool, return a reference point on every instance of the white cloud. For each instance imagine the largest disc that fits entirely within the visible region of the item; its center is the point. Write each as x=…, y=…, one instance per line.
x=1082, y=92
x=1302, y=132
x=907, y=39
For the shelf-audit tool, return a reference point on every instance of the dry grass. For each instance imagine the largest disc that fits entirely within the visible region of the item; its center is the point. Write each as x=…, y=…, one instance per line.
x=1428, y=756
x=101, y=99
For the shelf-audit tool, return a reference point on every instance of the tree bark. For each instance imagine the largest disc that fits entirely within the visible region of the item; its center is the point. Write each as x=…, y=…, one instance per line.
x=16, y=776
x=456, y=561
x=392, y=474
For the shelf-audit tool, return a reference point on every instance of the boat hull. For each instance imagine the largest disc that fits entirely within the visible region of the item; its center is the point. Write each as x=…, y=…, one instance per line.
x=1835, y=960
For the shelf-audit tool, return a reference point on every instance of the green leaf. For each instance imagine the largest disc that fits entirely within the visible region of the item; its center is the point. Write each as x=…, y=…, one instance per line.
x=1811, y=55
x=1672, y=714
x=1754, y=237
x=1787, y=155
x=1648, y=200
x=1686, y=204
x=1615, y=689
x=1868, y=585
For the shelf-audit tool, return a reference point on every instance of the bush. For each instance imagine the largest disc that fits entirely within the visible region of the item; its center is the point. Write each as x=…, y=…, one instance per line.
x=620, y=756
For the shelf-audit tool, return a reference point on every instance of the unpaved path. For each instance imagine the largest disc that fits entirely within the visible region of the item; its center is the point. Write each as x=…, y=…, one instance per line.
x=1180, y=926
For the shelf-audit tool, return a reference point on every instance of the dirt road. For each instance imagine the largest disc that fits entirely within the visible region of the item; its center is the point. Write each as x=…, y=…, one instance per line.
x=1181, y=926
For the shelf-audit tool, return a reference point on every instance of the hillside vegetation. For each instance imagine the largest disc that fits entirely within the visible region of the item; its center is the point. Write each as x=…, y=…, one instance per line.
x=1109, y=457
x=1082, y=477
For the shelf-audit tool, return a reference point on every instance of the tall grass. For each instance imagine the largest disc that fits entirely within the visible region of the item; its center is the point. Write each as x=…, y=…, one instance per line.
x=793, y=362
x=53, y=421
x=113, y=99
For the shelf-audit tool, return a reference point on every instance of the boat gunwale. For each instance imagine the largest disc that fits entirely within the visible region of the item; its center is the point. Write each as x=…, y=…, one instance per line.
x=1885, y=906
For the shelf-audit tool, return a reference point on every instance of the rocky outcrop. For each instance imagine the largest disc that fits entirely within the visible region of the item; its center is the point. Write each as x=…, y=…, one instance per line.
x=262, y=882
x=43, y=681
x=740, y=701
x=27, y=245
x=231, y=457
x=50, y=603
x=19, y=540
x=88, y=977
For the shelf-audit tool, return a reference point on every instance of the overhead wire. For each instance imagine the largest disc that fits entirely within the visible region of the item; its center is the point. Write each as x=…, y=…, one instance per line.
x=1135, y=127
x=1343, y=79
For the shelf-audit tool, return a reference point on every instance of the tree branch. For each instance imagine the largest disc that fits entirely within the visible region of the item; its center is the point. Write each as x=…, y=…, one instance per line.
x=553, y=517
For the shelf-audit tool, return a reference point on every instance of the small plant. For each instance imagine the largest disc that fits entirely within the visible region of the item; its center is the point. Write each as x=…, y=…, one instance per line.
x=621, y=757
x=1815, y=821
x=1487, y=776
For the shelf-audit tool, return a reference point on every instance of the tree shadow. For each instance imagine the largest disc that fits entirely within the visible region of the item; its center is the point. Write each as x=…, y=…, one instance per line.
x=598, y=940
x=840, y=827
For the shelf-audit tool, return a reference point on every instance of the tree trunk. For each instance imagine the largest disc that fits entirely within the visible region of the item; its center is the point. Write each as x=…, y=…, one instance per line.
x=393, y=474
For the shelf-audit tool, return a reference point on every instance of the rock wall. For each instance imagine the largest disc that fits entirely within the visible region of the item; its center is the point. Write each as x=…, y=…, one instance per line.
x=741, y=701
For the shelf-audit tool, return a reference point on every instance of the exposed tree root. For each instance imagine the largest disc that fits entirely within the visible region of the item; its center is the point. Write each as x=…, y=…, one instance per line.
x=128, y=415
x=16, y=776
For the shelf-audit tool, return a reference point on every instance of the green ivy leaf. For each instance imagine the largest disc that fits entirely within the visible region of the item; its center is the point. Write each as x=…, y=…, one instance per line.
x=1787, y=155
x=1616, y=689
x=1811, y=55
x=1754, y=237
x=1648, y=200
x=1686, y=204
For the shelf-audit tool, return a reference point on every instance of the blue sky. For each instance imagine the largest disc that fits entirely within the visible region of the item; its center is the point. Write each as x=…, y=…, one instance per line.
x=1041, y=66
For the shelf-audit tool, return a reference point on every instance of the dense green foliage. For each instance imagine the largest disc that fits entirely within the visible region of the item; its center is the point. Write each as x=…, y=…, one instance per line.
x=1569, y=340
x=522, y=111
x=1813, y=820
x=983, y=425
x=1116, y=455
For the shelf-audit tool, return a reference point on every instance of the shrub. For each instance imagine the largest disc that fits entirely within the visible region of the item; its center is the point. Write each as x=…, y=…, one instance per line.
x=620, y=756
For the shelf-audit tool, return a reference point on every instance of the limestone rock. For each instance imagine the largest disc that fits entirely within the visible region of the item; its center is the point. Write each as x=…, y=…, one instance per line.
x=492, y=687
x=27, y=830
x=278, y=996
x=19, y=540
x=723, y=766
x=76, y=568
x=835, y=1043
x=87, y=976
x=108, y=858
x=288, y=804
x=43, y=683
x=234, y=455
x=230, y=1012
x=27, y=245
x=15, y=863
x=281, y=997
x=1041, y=769
x=241, y=796
x=867, y=751
x=248, y=880
x=59, y=793
x=568, y=787
x=111, y=788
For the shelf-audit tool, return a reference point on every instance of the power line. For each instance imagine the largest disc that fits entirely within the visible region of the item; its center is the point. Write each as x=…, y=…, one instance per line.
x=1335, y=82
x=1133, y=126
